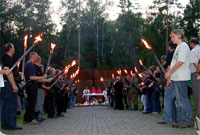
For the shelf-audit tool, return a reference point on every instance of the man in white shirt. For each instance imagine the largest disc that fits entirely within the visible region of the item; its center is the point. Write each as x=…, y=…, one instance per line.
x=85, y=92
x=179, y=75
x=194, y=60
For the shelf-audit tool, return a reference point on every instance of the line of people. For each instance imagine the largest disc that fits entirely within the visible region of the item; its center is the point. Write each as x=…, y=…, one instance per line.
x=182, y=65
x=34, y=93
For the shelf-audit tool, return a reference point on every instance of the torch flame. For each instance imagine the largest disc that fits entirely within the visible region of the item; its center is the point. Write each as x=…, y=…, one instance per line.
x=25, y=41
x=52, y=47
x=101, y=79
x=146, y=44
x=141, y=63
x=66, y=71
x=136, y=69
x=132, y=74
x=73, y=63
x=142, y=84
x=140, y=75
x=18, y=64
x=125, y=71
x=113, y=76
x=38, y=38
x=49, y=67
x=119, y=71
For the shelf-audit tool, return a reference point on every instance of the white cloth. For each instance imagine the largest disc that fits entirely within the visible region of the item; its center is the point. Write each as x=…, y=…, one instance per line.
x=1, y=80
x=85, y=92
x=105, y=96
x=181, y=54
x=194, y=58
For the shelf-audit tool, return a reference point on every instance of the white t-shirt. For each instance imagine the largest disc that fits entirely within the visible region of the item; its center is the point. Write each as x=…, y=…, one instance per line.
x=182, y=54
x=194, y=58
x=1, y=80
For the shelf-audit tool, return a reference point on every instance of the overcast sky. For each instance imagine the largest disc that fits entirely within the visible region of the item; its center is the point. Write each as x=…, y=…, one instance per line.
x=113, y=11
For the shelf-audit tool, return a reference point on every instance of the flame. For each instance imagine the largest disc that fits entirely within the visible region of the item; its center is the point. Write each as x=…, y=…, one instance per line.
x=113, y=76
x=52, y=47
x=141, y=63
x=136, y=69
x=18, y=64
x=101, y=79
x=140, y=75
x=38, y=38
x=132, y=74
x=125, y=71
x=142, y=84
x=25, y=41
x=49, y=67
x=146, y=44
x=70, y=65
x=119, y=72
x=73, y=63
x=66, y=71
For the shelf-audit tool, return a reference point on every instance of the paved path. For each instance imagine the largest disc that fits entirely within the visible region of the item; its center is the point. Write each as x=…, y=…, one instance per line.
x=102, y=121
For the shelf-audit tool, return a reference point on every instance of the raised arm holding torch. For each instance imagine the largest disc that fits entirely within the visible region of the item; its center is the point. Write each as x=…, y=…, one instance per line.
x=37, y=40
x=50, y=55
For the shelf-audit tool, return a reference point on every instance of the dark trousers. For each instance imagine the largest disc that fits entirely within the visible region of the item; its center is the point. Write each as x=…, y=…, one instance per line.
x=148, y=99
x=60, y=103
x=125, y=101
x=119, y=103
x=8, y=107
x=51, y=104
x=31, y=90
x=66, y=99
x=156, y=107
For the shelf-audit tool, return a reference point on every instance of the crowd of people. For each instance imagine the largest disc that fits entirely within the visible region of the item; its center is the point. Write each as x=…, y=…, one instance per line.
x=33, y=90
x=181, y=76
x=37, y=93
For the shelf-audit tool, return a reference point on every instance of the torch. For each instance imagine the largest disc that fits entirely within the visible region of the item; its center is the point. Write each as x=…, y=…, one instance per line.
x=74, y=76
x=49, y=59
x=102, y=80
x=25, y=47
x=62, y=75
x=150, y=48
x=73, y=63
x=133, y=78
x=37, y=40
x=113, y=76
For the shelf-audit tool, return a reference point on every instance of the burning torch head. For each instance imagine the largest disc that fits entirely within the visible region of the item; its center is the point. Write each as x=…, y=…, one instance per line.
x=146, y=44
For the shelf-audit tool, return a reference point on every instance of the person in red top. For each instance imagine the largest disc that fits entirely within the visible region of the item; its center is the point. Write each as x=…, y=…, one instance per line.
x=93, y=90
x=99, y=91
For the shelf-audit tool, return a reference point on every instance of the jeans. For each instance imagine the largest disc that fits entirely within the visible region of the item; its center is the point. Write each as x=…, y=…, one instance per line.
x=156, y=100
x=8, y=107
x=170, y=113
x=184, y=112
x=72, y=101
x=143, y=99
x=42, y=96
x=148, y=99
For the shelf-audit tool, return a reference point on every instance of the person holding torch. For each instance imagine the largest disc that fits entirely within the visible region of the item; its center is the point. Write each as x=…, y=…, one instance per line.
x=31, y=88
x=9, y=91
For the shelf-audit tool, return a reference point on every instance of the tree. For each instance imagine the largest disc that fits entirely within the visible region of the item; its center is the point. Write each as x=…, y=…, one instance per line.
x=191, y=19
